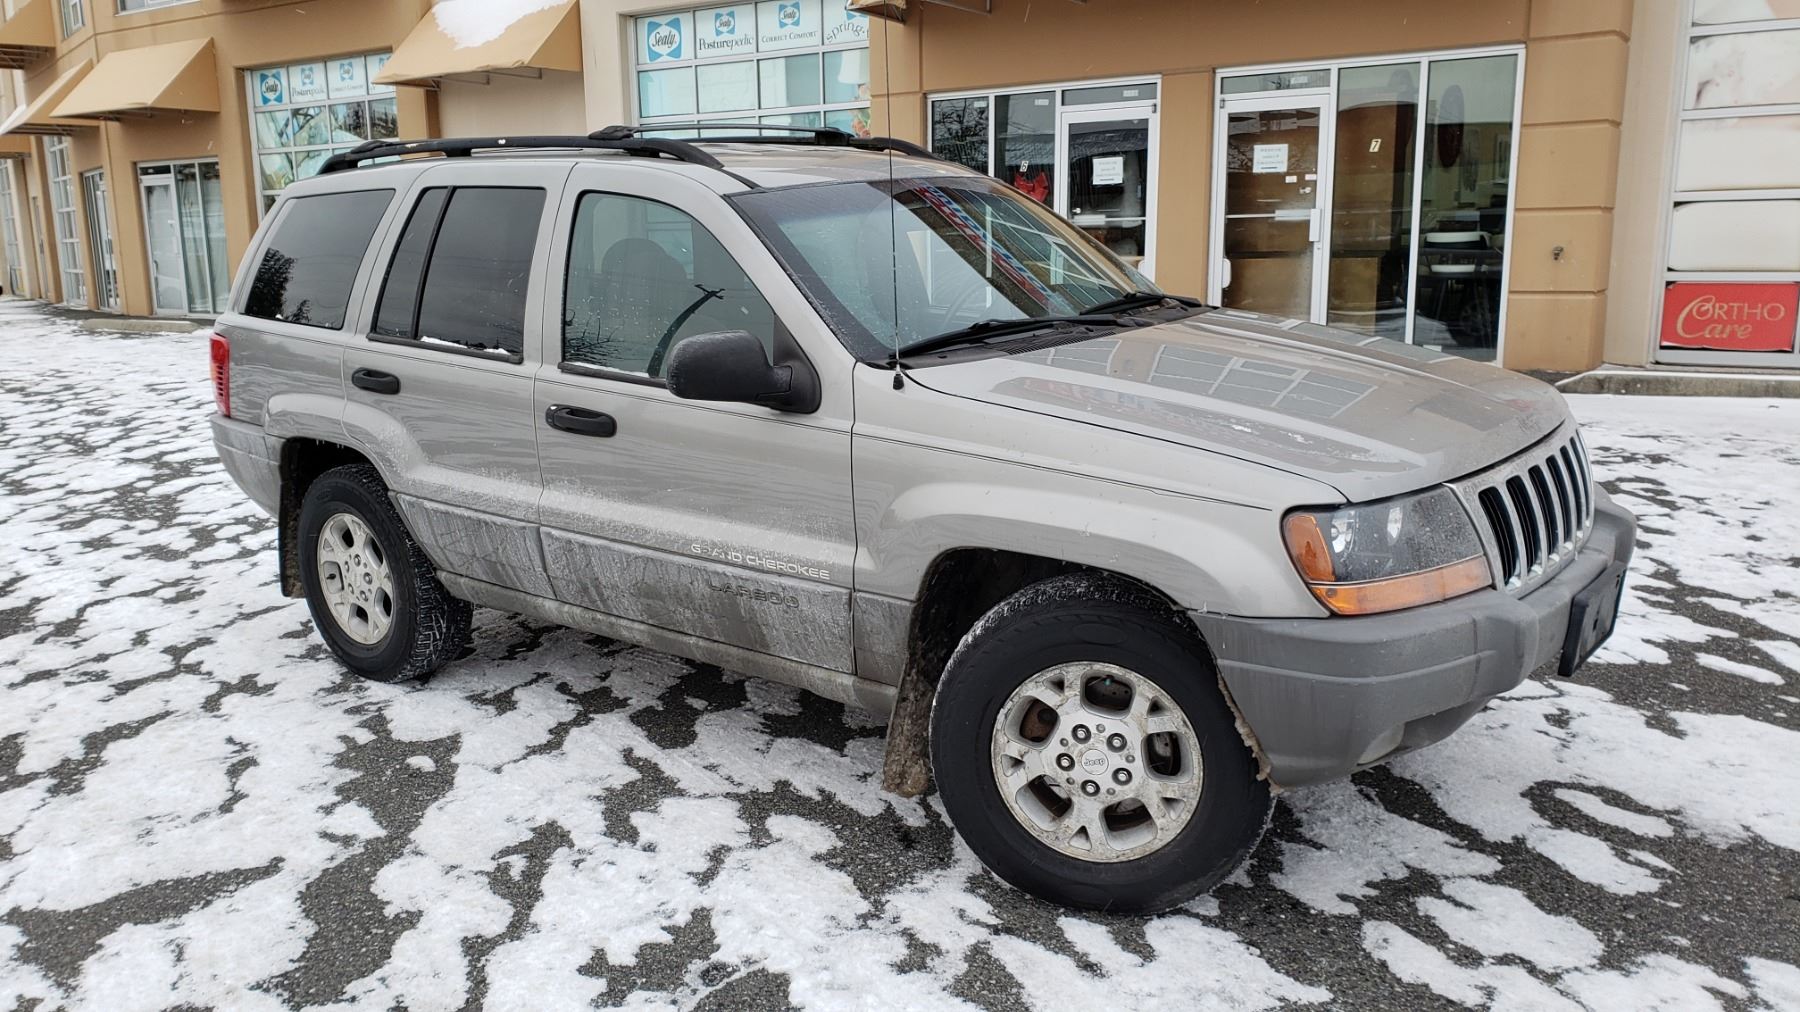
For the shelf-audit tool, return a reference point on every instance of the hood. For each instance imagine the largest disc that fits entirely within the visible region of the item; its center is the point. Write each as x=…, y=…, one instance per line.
x=1368, y=416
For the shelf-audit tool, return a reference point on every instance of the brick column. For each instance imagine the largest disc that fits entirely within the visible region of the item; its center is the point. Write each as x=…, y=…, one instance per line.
x=1575, y=62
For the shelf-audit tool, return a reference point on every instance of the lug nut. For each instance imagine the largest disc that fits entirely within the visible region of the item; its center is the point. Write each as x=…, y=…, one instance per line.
x=1121, y=777
x=1089, y=788
x=1080, y=733
x=1065, y=761
x=1116, y=742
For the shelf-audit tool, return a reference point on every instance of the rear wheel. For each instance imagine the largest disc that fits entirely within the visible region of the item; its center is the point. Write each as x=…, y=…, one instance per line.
x=374, y=596
x=1084, y=751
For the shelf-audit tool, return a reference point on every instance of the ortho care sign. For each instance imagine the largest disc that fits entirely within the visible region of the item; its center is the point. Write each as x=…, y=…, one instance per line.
x=1730, y=317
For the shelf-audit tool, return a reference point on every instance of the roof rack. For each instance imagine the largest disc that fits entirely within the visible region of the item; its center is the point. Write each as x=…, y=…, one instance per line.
x=630, y=140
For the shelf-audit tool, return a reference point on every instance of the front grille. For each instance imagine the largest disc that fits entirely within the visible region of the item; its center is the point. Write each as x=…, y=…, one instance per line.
x=1537, y=508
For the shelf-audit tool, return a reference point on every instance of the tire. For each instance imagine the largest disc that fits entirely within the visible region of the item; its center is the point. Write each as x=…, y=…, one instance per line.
x=402, y=623
x=1094, y=636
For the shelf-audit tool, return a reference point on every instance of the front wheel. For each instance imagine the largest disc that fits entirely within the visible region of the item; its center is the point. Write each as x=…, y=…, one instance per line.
x=1085, y=753
x=374, y=596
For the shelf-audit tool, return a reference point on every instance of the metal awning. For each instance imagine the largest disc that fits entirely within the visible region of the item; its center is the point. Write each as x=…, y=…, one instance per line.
x=29, y=35
x=549, y=39
x=34, y=116
x=172, y=77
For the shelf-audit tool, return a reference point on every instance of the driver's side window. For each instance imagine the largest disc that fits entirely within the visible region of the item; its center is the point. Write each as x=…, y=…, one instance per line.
x=643, y=276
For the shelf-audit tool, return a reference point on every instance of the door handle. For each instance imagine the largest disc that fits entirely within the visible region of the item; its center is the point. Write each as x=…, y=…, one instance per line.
x=375, y=382
x=1312, y=225
x=581, y=421
x=1224, y=274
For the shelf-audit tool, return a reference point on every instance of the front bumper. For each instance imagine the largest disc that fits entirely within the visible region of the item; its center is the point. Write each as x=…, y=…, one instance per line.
x=1325, y=697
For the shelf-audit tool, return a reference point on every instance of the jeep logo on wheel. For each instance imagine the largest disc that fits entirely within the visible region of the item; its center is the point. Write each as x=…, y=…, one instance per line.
x=1094, y=761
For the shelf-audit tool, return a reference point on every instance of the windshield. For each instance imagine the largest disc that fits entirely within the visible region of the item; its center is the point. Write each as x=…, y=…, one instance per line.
x=891, y=264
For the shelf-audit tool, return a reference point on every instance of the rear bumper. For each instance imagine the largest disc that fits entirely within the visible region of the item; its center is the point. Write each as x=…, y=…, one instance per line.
x=252, y=458
x=1325, y=697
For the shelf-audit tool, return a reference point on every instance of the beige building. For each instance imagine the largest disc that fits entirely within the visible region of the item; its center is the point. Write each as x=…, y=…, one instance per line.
x=1548, y=183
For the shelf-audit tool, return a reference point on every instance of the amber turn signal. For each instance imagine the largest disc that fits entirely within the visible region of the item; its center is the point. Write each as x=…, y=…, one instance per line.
x=1409, y=591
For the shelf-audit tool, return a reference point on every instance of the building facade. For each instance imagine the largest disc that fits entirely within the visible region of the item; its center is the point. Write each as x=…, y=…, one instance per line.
x=1545, y=183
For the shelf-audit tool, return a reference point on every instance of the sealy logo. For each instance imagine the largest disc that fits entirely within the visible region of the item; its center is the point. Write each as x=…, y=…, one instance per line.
x=663, y=39
x=788, y=15
x=725, y=23
x=269, y=87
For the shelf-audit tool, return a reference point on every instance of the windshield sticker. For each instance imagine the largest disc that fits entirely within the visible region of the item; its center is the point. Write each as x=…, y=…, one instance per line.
x=972, y=230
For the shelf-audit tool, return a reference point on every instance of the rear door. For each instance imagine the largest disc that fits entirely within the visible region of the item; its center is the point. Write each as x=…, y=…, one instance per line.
x=730, y=522
x=440, y=386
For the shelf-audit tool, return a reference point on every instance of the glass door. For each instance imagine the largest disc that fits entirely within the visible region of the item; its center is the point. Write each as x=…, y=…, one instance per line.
x=100, y=240
x=1107, y=159
x=162, y=226
x=1270, y=223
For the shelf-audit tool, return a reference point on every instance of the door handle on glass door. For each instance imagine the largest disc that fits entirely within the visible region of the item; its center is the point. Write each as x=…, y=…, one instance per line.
x=1312, y=225
x=581, y=421
x=1224, y=274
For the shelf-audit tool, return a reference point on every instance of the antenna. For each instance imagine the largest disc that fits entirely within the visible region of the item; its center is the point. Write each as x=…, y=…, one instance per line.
x=887, y=82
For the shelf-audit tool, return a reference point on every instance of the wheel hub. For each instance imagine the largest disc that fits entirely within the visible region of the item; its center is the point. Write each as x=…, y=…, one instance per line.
x=355, y=579
x=1096, y=761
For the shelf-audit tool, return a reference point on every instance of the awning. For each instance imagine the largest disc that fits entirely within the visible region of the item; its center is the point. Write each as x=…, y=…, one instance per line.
x=175, y=76
x=34, y=116
x=29, y=35
x=548, y=39
x=15, y=146
x=892, y=10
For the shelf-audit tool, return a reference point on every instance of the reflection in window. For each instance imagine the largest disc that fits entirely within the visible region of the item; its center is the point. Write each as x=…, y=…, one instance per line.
x=1025, y=143
x=959, y=131
x=480, y=269
x=311, y=261
x=644, y=276
x=1462, y=207
x=1372, y=198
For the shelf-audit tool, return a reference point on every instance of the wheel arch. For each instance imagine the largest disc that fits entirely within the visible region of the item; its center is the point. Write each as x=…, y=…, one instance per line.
x=960, y=586
x=303, y=460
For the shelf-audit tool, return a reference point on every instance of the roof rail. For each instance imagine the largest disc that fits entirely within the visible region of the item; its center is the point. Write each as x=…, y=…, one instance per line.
x=630, y=140
x=823, y=136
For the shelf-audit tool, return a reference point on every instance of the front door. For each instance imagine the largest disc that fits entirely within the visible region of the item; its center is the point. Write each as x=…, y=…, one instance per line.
x=728, y=522
x=1271, y=223
x=1105, y=186
x=162, y=224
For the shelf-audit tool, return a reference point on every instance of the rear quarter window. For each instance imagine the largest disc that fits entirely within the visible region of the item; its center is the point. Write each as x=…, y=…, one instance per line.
x=310, y=262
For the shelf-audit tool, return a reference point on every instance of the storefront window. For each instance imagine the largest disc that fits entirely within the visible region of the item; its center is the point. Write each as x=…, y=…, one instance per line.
x=1463, y=198
x=1085, y=149
x=184, y=221
x=1402, y=234
x=786, y=62
x=304, y=113
x=62, y=210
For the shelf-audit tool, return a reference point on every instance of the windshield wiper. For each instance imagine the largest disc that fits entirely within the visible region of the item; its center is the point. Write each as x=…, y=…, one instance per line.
x=1139, y=300
x=976, y=333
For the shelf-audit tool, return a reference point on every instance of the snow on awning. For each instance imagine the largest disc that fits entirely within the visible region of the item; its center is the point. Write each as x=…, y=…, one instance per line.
x=477, y=36
x=175, y=76
x=34, y=116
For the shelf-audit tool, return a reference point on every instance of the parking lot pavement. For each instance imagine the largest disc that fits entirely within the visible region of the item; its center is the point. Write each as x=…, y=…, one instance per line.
x=198, y=808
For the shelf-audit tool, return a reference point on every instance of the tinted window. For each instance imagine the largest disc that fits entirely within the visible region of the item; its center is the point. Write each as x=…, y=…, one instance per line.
x=311, y=260
x=480, y=269
x=400, y=293
x=643, y=276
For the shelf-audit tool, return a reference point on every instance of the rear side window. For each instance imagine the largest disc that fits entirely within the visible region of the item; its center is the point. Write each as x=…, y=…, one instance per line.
x=310, y=263
x=462, y=269
x=643, y=276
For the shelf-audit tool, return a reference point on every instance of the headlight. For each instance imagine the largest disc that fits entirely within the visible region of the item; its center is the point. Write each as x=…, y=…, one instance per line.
x=1384, y=556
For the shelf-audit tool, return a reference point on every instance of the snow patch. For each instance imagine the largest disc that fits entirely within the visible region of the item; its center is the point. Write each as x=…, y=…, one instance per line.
x=471, y=23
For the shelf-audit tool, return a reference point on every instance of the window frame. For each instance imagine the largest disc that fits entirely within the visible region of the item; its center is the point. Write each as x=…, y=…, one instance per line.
x=782, y=336
x=145, y=6
x=72, y=15
x=392, y=249
x=372, y=93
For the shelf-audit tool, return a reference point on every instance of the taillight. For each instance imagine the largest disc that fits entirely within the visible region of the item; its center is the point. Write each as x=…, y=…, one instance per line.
x=221, y=374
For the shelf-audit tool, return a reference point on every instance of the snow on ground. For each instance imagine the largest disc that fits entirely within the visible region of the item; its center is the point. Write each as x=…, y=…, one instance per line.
x=199, y=808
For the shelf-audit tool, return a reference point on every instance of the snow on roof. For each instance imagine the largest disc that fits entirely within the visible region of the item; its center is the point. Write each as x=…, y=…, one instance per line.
x=471, y=23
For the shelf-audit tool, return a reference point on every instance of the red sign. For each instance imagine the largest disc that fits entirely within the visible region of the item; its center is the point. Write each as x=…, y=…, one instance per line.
x=1730, y=317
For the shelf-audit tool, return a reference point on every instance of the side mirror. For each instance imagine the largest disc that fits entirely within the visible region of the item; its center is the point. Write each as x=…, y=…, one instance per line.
x=730, y=365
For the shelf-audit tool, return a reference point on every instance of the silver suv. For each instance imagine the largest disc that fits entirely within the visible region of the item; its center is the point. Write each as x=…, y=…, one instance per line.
x=834, y=412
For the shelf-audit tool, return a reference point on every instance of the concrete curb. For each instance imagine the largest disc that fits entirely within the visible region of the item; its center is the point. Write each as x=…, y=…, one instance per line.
x=1676, y=383
x=131, y=325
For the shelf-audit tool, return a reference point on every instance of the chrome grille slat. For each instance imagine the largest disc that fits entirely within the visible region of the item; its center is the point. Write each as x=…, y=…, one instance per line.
x=1534, y=510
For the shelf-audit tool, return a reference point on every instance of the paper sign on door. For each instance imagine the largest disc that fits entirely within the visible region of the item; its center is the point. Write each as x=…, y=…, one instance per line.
x=1269, y=158
x=1109, y=171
